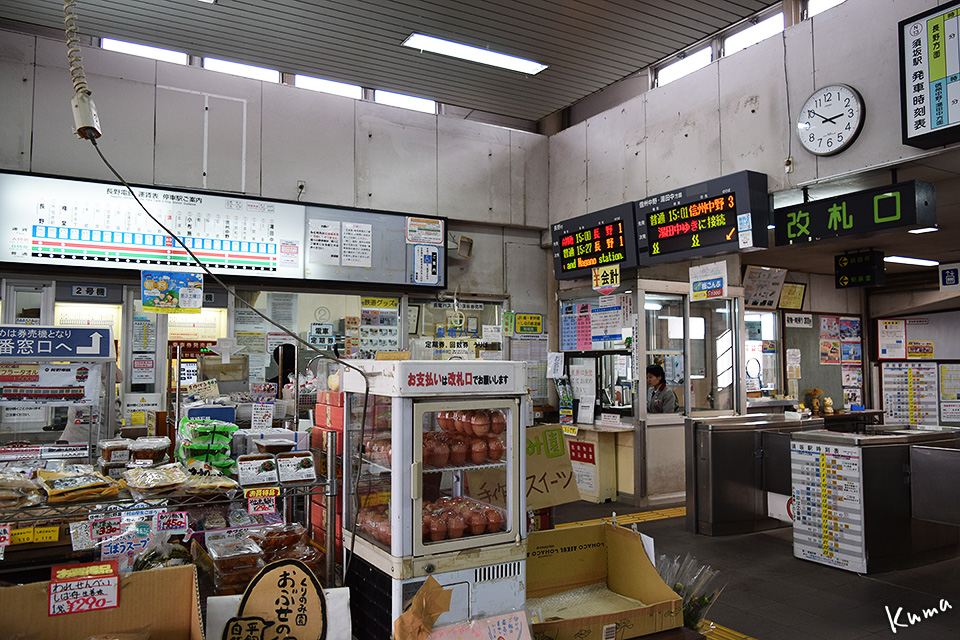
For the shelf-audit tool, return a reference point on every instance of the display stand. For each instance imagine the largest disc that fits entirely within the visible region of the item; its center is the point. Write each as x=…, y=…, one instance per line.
x=419, y=493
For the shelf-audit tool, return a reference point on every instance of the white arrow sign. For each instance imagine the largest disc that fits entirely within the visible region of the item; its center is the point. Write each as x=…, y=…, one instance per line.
x=94, y=347
x=226, y=347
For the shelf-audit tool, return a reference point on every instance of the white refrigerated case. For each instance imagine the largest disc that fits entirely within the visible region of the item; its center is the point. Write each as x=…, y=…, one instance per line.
x=433, y=482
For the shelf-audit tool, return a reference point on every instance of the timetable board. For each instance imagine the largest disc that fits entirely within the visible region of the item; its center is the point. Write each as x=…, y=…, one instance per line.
x=598, y=239
x=827, y=485
x=724, y=215
x=910, y=392
x=930, y=77
x=93, y=224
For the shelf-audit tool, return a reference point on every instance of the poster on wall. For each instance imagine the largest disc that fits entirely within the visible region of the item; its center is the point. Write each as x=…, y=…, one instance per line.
x=920, y=349
x=791, y=295
x=829, y=327
x=849, y=328
x=891, y=339
x=830, y=352
x=850, y=352
x=762, y=286
x=171, y=292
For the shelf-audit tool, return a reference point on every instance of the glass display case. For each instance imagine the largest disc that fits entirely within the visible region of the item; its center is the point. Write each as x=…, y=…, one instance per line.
x=432, y=483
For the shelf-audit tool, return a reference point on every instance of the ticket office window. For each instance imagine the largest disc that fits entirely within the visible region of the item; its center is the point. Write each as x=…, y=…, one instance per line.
x=664, y=333
x=761, y=346
x=443, y=329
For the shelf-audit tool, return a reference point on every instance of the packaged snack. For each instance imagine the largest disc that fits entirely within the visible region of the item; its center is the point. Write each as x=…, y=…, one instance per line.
x=17, y=490
x=277, y=536
x=238, y=577
x=115, y=449
x=208, y=485
x=275, y=445
x=257, y=469
x=157, y=479
x=111, y=469
x=232, y=555
x=70, y=486
x=149, y=448
x=296, y=467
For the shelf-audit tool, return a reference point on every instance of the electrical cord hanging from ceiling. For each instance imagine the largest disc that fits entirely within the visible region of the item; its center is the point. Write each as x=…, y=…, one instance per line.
x=88, y=126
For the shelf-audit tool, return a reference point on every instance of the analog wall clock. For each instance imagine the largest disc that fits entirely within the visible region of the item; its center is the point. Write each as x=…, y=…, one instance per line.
x=830, y=120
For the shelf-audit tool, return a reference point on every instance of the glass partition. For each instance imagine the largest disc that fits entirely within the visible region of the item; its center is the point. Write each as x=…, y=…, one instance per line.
x=714, y=355
x=761, y=348
x=663, y=315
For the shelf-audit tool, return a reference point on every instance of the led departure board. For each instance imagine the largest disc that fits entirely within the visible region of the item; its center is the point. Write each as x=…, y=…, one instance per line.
x=595, y=240
x=724, y=215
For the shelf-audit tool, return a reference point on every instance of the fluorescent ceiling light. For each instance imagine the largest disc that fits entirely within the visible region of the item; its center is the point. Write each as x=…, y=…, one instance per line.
x=924, y=230
x=920, y=262
x=143, y=51
x=473, y=54
x=245, y=70
x=771, y=226
x=652, y=306
x=328, y=86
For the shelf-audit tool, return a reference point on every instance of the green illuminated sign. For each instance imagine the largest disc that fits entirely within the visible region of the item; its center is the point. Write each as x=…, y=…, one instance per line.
x=906, y=204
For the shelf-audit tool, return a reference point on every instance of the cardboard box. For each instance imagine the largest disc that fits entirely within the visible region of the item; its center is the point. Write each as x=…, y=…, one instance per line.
x=574, y=557
x=328, y=416
x=163, y=600
x=331, y=398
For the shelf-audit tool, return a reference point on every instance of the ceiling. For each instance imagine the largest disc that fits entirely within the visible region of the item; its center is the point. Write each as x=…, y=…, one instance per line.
x=588, y=44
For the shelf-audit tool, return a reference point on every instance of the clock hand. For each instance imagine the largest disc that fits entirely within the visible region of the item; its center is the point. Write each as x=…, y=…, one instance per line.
x=831, y=120
x=825, y=119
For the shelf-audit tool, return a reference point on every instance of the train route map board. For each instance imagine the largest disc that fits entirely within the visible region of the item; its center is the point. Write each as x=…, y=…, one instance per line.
x=828, y=503
x=68, y=222
x=930, y=77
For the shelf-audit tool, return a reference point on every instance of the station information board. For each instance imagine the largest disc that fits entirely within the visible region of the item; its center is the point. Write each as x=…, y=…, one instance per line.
x=930, y=77
x=725, y=215
x=595, y=240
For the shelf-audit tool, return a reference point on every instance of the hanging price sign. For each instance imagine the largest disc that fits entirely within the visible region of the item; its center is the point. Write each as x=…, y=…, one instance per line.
x=105, y=528
x=261, y=506
x=174, y=522
x=85, y=587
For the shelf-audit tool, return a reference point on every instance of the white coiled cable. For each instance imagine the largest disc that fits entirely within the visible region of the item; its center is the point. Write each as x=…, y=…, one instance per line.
x=73, y=48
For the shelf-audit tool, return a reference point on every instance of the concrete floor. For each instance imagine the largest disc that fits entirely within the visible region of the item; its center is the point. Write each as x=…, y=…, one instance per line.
x=770, y=595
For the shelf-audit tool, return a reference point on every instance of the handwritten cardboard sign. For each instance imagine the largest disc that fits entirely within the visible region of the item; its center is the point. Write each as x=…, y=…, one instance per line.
x=285, y=598
x=549, y=480
x=83, y=587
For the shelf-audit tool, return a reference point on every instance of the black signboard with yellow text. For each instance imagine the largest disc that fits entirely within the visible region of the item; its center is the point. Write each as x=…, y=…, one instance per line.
x=861, y=269
x=598, y=239
x=724, y=215
x=900, y=205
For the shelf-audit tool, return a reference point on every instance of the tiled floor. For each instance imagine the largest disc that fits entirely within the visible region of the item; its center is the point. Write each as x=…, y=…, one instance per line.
x=770, y=595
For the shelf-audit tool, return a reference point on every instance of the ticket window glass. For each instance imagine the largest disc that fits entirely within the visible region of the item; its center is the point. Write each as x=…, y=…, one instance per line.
x=663, y=320
x=714, y=355
x=761, y=354
x=454, y=329
x=27, y=304
x=183, y=331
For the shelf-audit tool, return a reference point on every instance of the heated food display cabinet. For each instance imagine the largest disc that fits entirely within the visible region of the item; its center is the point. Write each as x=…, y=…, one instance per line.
x=432, y=487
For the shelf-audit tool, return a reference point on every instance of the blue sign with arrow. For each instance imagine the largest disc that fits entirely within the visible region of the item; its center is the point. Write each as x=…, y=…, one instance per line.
x=66, y=343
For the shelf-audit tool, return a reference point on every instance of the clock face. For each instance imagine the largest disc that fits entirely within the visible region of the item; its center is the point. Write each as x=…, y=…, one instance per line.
x=830, y=120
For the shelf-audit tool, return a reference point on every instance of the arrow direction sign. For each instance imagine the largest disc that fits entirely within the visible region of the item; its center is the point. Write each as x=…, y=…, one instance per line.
x=226, y=347
x=94, y=346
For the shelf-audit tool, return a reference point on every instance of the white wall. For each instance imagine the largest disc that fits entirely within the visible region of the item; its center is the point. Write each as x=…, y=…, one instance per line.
x=186, y=127
x=738, y=113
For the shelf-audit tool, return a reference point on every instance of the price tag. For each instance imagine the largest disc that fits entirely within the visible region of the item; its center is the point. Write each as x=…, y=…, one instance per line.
x=261, y=416
x=84, y=594
x=261, y=506
x=261, y=492
x=120, y=455
x=21, y=536
x=175, y=522
x=46, y=534
x=570, y=429
x=4, y=535
x=105, y=528
x=80, y=539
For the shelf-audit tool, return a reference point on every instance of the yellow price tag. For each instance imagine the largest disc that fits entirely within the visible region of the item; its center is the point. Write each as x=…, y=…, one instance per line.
x=46, y=534
x=570, y=429
x=21, y=536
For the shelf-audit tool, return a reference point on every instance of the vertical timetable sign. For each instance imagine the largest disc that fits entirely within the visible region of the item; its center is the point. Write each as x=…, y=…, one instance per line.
x=725, y=215
x=598, y=239
x=930, y=77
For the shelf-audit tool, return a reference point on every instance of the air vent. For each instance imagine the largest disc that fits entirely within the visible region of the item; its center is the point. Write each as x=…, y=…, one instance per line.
x=497, y=572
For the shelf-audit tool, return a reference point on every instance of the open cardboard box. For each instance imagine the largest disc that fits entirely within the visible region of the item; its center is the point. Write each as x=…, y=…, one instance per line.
x=163, y=600
x=574, y=557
